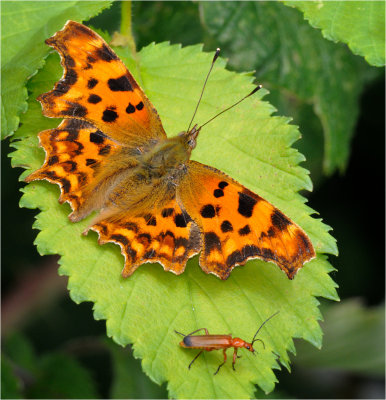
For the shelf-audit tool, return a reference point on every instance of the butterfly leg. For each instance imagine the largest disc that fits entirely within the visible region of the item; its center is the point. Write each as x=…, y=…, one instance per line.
x=225, y=358
x=194, y=359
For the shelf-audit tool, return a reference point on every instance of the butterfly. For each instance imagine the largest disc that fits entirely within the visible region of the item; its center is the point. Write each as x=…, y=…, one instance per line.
x=111, y=154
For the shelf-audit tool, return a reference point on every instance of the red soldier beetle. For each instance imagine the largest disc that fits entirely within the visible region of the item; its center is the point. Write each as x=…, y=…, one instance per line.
x=209, y=342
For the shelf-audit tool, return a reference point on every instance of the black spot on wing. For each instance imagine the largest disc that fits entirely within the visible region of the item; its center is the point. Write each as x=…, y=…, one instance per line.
x=131, y=226
x=92, y=82
x=69, y=61
x=82, y=178
x=84, y=30
x=75, y=110
x=150, y=220
x=212, y=242
x=167, y=212
x=238, y=256
x=53, y=160
x=139, y=106
x=132, y=253
x=104, y=150
x=94, y=99
x=279, y=220
x=149, y=254
x=223, y=184
x=121, y=84
x=245, y=230
x=90, y=161
x=69, y=166
x=96, y=138
x=91, y=60
x=109, y=115
x=80, y=148
x=226, y=226
x=130, y=109
x=208, y=211
x=106, y=54
x=246, y=204
x=218, y=193
x=179, y=220
x=268, y=254
x=121, y=239
x=64, y=85
x=66, y=185
x=72, y=135
x=144, y=238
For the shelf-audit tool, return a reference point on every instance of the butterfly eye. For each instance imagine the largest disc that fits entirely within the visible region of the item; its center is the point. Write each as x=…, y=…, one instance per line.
x=248, y=347
x=192, y=143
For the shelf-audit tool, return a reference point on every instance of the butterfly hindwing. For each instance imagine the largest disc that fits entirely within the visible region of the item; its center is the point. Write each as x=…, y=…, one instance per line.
x=237, y=224
x=165, y=235
x=98, y=88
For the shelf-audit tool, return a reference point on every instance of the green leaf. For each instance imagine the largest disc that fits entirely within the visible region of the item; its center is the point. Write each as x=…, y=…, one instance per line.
x=51, y=376
x=23, y=48
x=20, y=351
x=297, y=65
x=10, y=384
x=254, y=148
x=62, y=377
x=354, y=340
x=360, y=24
x=129, y=382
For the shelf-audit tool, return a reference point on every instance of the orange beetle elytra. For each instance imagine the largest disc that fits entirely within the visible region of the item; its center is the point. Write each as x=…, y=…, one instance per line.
x=209, y=342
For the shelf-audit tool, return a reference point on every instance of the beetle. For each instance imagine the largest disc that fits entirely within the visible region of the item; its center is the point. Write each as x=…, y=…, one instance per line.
x=209, y=342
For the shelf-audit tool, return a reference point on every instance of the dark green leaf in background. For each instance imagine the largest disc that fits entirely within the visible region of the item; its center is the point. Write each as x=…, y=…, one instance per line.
x=11, y=387
x=297, y=65
x=360, y=24
x=354, y=340
x=54, y=375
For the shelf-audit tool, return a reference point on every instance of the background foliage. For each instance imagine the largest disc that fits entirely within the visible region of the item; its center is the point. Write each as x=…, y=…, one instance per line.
x=291, y=83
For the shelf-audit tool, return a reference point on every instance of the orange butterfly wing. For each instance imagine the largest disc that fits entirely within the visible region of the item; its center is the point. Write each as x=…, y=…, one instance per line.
x=98, y=88
x=165, y=235
x=237, y=224
x=78, y=159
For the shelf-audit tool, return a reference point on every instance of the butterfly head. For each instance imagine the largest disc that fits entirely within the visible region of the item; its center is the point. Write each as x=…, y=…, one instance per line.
x=190, y=138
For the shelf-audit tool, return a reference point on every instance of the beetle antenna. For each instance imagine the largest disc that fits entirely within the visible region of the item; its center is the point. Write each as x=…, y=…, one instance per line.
x=233, y=105
x=254, y=340
x=203, y=88
x=179, y=333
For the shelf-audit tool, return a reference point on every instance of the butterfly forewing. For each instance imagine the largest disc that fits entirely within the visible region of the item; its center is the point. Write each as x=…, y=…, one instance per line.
x=98, y=88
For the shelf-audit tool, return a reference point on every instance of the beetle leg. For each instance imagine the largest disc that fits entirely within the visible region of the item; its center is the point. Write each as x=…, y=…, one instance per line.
x=234, y=358
x=194, y=359
x=225, y=358
x=201, y=329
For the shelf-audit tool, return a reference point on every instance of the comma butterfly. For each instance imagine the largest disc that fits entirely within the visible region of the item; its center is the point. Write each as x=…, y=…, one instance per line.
x=111, y=153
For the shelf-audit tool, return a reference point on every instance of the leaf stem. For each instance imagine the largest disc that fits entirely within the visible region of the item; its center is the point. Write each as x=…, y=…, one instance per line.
x=126, y=26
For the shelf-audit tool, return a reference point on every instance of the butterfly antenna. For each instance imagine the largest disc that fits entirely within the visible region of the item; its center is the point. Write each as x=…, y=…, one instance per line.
x=203, y=88
x=221, y=112
x=254, y=340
